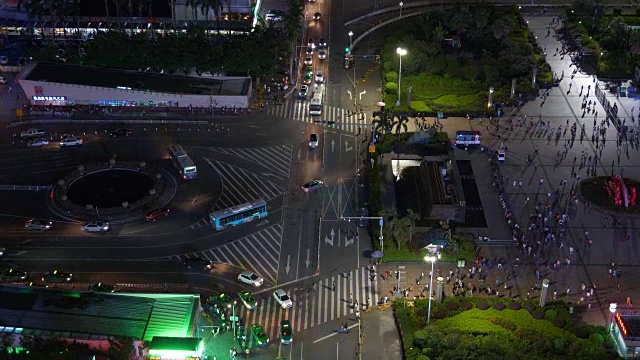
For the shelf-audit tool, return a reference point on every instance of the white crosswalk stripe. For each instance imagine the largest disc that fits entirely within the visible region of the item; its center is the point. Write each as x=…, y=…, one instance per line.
x=275, y=159
x=258, y=252
x=315, y=306
x=298, y=110
x=238, y=187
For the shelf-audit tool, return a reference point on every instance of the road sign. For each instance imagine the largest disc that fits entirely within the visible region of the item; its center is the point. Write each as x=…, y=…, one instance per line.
x=233, y=318
x=381, y=222
x=372, y=149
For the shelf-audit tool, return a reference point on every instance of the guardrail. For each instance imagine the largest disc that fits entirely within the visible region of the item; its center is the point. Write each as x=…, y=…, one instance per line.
x=384, y=23
x=25, y=187
x=109, y=121
x=408, y=5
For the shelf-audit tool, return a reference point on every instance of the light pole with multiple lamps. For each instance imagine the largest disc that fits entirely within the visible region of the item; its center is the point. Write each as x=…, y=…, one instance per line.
x=350, y=43
x=432, y=259
x=401, y=52
x=233, y=316
x=401, y=5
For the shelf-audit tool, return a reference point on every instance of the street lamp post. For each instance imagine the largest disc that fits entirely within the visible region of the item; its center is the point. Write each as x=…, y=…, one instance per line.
x=401, y=52
x=350, y=43
x=233, y=317
x=432, y=259
x=401, y=5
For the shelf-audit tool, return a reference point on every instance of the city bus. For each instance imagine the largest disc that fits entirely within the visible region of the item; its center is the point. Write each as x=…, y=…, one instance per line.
x=467, y=137
x=183, y=162
x=315, y=105
x=237, y=215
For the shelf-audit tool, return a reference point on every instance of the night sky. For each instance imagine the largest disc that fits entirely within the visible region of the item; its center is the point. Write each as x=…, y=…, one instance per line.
x=160, y=8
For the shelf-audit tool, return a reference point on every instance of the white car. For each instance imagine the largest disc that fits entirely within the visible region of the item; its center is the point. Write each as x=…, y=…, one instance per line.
x=313, y=141
x=250, y=278
x=38, y=142
x=308, y=60
x=282, y=298
x=95, y=226
x=319, y=77
x=29, y=133
x=71, y=141
x=38, y=224
x=4, y=60
x=322, y=54
x=500, y=154
x=3, y=80
x=304, y=90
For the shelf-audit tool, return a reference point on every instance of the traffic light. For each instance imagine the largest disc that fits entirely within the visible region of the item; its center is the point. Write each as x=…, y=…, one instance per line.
x=347, y=62
x=346, y=50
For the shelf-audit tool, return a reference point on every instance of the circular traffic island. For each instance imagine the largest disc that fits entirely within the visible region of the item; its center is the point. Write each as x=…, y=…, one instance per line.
x=611, y=193
x=112, y=191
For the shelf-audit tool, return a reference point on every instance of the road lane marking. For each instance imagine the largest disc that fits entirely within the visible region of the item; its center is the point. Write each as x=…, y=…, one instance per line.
x=334, y=334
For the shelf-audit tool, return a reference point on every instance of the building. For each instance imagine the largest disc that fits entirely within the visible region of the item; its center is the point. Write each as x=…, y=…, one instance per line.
x=62, y=85
x=625, y=329
x=96, y=318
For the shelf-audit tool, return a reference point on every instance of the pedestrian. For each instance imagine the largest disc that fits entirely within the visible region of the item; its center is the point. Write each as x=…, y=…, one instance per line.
x=629, y=301
x=351, y=299
x=568, y=291
x=333, y=286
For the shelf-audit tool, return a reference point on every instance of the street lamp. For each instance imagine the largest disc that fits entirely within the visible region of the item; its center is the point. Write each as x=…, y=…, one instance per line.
x=401, y=52
x=350, y=43
x=432, y=259
x=401, y=5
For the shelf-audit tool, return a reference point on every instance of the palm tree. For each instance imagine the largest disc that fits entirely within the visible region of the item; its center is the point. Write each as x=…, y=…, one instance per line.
x=400, y=231
x=389, y=216
x=194, y=8
x=35, y=9
x=383, y=123
x=400, y=123
x=412, y=217
x=106, y=9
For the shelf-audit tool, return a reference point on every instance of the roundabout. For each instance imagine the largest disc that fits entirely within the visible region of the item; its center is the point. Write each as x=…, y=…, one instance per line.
x=112, y=191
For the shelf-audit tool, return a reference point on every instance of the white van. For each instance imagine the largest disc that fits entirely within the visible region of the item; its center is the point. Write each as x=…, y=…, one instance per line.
x=32, y=133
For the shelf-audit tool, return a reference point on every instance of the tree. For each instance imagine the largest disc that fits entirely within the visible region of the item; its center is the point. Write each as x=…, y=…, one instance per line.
x=389, y=215
x=400, y=123
x=194, y=4
x=412, y=217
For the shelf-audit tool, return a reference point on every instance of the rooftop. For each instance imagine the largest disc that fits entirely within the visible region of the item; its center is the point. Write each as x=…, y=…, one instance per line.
x=136, y=80
x=85, y=315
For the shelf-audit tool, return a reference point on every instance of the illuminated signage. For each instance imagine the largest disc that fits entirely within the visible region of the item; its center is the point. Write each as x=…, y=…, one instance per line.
x=621, y=324
x=49, y=98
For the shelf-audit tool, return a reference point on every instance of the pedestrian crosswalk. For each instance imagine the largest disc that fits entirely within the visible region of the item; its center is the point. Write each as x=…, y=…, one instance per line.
x=343, y=119
x=275, y=159
x=325, y=301
x=238, y=187
x=258, y=252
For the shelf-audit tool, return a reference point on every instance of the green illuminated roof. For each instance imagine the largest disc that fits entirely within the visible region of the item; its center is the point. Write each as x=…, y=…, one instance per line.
x=173, y=343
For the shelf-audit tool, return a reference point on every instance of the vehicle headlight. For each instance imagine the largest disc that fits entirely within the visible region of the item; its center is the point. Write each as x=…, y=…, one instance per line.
x=105, y=227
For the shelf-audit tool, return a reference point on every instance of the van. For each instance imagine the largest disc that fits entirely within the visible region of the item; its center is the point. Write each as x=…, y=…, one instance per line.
x=32, y=133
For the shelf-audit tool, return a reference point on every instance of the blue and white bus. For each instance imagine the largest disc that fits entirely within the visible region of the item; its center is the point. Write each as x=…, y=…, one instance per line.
x=183, y=162
x=467, y=137
x=237, y=215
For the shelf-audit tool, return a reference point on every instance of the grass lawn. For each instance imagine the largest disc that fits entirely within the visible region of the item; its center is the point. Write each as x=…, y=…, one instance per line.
x=391, y=253
x=467, y=252
x=476, y=321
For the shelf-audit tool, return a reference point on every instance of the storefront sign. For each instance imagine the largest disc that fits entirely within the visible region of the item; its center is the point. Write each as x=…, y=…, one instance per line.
x=49, y=98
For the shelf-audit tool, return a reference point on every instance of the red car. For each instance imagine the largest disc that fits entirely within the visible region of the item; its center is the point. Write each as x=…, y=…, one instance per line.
x=156, y=214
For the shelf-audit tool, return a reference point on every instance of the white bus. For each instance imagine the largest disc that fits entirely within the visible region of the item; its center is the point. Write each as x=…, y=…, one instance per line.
x=315, y=105
x=183, y=162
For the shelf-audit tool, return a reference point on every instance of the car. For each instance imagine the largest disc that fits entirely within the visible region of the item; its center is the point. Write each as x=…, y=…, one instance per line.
x=38, y=142
x=3, y=80
x=13, y=275
x=304, y=90
x=156, y=214
x=322, y=54
x=317, y=16
x=57, y=276
x=70, y=141
x=250, y=278
x=308, y=70
x=322, y=42
x=2, y=250
x=310, y=43
x=307, y=79
x=247, y=299
x=364, y=212
x=282, y=298
x=259, y=334
x=286, y=332
x=220, y=299
x=309, y=51
x=30, y=133
x=312, y=186
x=198, y=263
x=37, y=224
x=121, y=132
x=308, y=60
x=319, y=77
x=274, y=16
x=95, y=226
x=313, y=141
x=4, y=60
x=500, y=154
x=61, y=55
x=102, y=287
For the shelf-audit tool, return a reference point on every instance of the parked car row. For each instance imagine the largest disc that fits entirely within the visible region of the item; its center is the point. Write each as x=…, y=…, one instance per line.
x=37, y=137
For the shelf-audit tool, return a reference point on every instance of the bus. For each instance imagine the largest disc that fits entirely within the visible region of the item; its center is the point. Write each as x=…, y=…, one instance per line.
x=183, y=162
x=315, y=105
x=467, y=137
x=240, y=214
